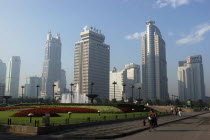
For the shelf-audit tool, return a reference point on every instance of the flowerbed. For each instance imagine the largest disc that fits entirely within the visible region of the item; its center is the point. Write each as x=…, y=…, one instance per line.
x=38, y=112
x=9, y=108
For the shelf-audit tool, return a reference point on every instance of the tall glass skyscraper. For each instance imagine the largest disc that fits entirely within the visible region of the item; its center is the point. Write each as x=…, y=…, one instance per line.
x=91, y=64
x=2, y=77
x=12, y=77
x=154, y=65
x=52, y=65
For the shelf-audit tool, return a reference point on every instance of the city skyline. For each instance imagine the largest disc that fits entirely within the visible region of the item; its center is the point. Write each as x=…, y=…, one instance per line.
x=189, y=38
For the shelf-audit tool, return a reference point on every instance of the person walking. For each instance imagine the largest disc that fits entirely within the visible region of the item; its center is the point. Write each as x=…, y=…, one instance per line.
x=180, y=112
x=152, y=120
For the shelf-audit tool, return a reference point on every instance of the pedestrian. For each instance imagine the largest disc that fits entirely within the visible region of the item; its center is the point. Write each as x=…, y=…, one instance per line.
x=172, y=110
x=180, y=112
x=176, y=110
x=152, y=118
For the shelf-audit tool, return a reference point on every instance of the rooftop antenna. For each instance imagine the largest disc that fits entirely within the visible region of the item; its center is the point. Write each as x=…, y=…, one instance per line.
x=91, y=28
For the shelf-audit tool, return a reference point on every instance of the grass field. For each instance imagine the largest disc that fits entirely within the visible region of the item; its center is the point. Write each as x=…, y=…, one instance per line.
x=75, y=117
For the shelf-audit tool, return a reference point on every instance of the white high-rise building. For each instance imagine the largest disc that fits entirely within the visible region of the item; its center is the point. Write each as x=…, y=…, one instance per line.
x=129, y=76
x=154, y=65
x=2, y=77
x=12, y=77
x=30, y=87
x=52, y=65
x=191, y=79
x=91, y=64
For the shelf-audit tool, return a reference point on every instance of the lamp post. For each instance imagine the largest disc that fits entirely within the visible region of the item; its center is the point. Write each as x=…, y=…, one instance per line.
x=54, y=93
x=132, y=92
x=71, y=90
x=37, y=93
x=30, y=115
x=99, y=114
x=91, y=89
x=139, y=91
x=69, y=114
x=124, y=89
x=114, y=88
x=22, y=92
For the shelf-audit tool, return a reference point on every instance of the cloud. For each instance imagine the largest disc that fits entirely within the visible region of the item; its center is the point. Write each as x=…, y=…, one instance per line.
x=170, y=33
x=135, y=35
x=172, y=3
x=196, y=36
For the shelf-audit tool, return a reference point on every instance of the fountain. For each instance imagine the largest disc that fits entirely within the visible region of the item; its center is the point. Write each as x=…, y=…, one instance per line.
x=76, y=97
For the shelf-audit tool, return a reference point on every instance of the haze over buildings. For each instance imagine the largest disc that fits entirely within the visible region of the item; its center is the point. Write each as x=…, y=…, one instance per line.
x=154, y=65
x=31, y=87
x=91, y=64
x=12, y=77
x=191, y=79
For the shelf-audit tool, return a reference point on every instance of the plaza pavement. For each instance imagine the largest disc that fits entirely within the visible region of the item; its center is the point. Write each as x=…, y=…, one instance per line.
x=195, y=128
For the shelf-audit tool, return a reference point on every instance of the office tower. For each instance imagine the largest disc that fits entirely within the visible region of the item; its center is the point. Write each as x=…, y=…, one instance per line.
x=191, y=79
x=30, y=87
x=154, y=65
x=12, y=77
x=91, y=64
x=130, y=75
x=52, y=65
x=2, y=77
x=63, y=81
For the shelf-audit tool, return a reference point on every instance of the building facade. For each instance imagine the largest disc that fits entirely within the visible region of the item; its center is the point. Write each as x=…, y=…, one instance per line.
x=12, y=77
x=91, y=64
x=52, y=65
x=129, y=76
x=2, y=77
x=154, y=65
x=191, y=79
x=31, y=86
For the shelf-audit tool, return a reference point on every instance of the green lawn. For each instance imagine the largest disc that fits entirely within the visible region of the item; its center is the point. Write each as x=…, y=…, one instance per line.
x=75, y=117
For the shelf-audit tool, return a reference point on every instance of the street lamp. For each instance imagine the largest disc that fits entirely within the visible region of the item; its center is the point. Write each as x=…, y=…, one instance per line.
x=91, y=90
x=71, y=90
x=69, y=114
x=54, y=93
x=139, y=91
x=132, y=92
x=30, y=115
x=37, y=93
x=22, y=92
x=99, y=114
x=124, y=89
x=114, y=88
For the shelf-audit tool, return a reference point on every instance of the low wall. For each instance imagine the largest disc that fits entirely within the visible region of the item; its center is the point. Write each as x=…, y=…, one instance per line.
x=30, y=130
x=19, y=129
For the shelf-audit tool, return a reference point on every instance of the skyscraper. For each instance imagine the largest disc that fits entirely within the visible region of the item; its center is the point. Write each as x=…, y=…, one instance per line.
x=30, y=86
x=191, y=79
x=91, y=64
x=52, y=65
x=2, y=77
x=154, y=65
x=12, y=77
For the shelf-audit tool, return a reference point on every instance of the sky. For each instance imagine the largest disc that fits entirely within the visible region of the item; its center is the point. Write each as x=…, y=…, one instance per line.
x=184, y=25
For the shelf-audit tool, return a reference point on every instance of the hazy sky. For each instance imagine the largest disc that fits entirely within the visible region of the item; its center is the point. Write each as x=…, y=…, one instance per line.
x=184, y=24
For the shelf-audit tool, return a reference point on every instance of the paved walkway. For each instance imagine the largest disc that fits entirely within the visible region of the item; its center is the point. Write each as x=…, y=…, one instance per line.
x=196, y=128
x=105, y=131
